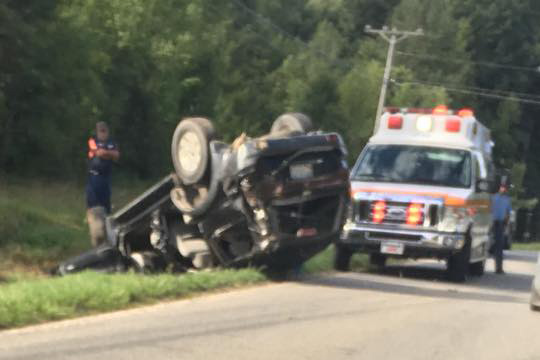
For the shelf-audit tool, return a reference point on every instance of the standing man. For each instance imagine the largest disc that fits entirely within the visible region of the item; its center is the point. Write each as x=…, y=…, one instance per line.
x=500, y=211
x=102, y=151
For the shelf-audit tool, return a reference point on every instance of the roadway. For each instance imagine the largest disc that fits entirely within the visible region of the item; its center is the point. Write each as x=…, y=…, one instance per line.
x=407, y=312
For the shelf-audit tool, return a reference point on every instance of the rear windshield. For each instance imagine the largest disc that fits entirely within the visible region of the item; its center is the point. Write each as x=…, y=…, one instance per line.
x=414, y=165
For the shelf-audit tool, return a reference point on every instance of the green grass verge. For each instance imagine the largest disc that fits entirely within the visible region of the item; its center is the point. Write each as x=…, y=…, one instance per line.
x=534, y=246
x=26, y=299
x=40, y=300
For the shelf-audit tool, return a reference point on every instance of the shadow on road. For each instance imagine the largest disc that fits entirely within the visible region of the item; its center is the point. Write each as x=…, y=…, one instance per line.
x=354, y=281
x=514, y=282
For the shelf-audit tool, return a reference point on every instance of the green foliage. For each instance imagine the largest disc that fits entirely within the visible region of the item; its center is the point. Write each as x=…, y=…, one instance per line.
x=144, y=64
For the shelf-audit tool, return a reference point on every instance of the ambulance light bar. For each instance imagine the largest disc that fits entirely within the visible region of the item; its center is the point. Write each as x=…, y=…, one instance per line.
x=438, y=110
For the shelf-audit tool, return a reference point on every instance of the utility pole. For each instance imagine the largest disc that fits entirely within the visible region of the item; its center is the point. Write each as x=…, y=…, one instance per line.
x=393, y=36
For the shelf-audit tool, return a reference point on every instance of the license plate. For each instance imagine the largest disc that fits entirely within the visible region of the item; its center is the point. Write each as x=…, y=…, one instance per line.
x=301, y=171
x=392, y=248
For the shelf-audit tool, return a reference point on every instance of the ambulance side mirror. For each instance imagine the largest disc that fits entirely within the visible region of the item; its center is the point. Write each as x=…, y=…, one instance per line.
x=483, y=186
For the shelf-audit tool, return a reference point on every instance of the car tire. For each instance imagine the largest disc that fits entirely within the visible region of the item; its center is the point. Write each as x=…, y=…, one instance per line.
x=477, y=268
x=458, y=264
x=377, y=261
x=342, y=258
x=189, y=149
x=290, y=124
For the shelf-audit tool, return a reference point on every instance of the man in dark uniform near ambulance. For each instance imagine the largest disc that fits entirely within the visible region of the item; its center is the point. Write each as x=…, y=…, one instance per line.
x=102, y=151
x=501, y=207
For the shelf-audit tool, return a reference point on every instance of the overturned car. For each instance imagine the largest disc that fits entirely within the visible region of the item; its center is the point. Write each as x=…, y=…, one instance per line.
x=272, y=202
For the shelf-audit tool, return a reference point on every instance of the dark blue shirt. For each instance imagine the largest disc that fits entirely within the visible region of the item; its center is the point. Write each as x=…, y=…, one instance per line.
x=500, y=207
x=97, y=165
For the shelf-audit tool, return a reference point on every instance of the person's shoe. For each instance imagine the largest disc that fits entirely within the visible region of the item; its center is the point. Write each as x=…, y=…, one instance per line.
x=500, y=272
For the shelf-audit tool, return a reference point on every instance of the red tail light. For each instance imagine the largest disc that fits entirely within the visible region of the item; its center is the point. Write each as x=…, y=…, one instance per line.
x=332, y=138
x=395, y=122
x=414, y=214
x=379, y=210
x=453, y=125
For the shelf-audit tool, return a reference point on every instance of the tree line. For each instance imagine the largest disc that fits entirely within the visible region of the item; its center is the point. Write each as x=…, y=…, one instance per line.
x=141, y=65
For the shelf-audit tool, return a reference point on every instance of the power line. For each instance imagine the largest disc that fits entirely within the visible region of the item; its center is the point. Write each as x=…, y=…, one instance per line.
x=466, y=91
x=481, y=63
x=507, y=93
x=392, y=36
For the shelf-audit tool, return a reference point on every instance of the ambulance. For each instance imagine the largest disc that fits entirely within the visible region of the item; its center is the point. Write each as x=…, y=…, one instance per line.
x=421, y=189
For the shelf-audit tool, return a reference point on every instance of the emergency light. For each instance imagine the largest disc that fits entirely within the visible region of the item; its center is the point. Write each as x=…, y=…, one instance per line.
x=453, y=125
x=424, y=123
x=465, y=112
x=414, y=214
x=379, y=210
x=395, y=122
x=440, y=110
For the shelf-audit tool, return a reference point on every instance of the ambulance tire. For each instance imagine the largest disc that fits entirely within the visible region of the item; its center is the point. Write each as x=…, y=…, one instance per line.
x=377, y=261
x=342, y=258
x=477, y=268
x=189, y=149
x=458, y=264
x=290, y=124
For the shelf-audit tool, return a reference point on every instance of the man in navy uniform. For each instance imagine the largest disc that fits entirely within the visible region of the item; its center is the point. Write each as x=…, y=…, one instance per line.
x=102, y=151
x=500, y=210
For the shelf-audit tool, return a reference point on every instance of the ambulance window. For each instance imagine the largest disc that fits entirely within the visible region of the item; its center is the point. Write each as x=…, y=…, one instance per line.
x=415, y=165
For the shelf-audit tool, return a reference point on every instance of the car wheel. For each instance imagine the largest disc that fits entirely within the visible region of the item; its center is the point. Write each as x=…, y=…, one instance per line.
x=377, y=261
x=477, y=268
x=458, y=264
x=189, y=148
x=342, y=258
x=291, y=124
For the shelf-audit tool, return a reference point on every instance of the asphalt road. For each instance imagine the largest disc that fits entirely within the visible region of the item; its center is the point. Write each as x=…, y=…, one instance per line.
x=409, y=312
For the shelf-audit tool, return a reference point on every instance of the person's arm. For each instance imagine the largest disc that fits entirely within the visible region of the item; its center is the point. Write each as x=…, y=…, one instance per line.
x=508, y=211
x=109, y=154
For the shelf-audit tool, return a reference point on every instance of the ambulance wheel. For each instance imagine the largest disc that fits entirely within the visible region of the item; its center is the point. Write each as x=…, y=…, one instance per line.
x=291, y=124
x=377, y=261
x=458, y=264
x=477, y=268
x=189, y=148
x=342, y=258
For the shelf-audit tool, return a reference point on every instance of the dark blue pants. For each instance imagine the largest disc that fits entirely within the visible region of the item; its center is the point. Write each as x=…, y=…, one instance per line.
x=98, y=192
x=498, y=246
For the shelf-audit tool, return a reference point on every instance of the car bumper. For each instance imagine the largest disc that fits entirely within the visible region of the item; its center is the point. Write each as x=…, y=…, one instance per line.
x=416, y=244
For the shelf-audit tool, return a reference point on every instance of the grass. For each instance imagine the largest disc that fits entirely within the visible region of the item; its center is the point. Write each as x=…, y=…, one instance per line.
x=28, y=299
x=38, y=300
x=534, y=246
x=43, y=223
